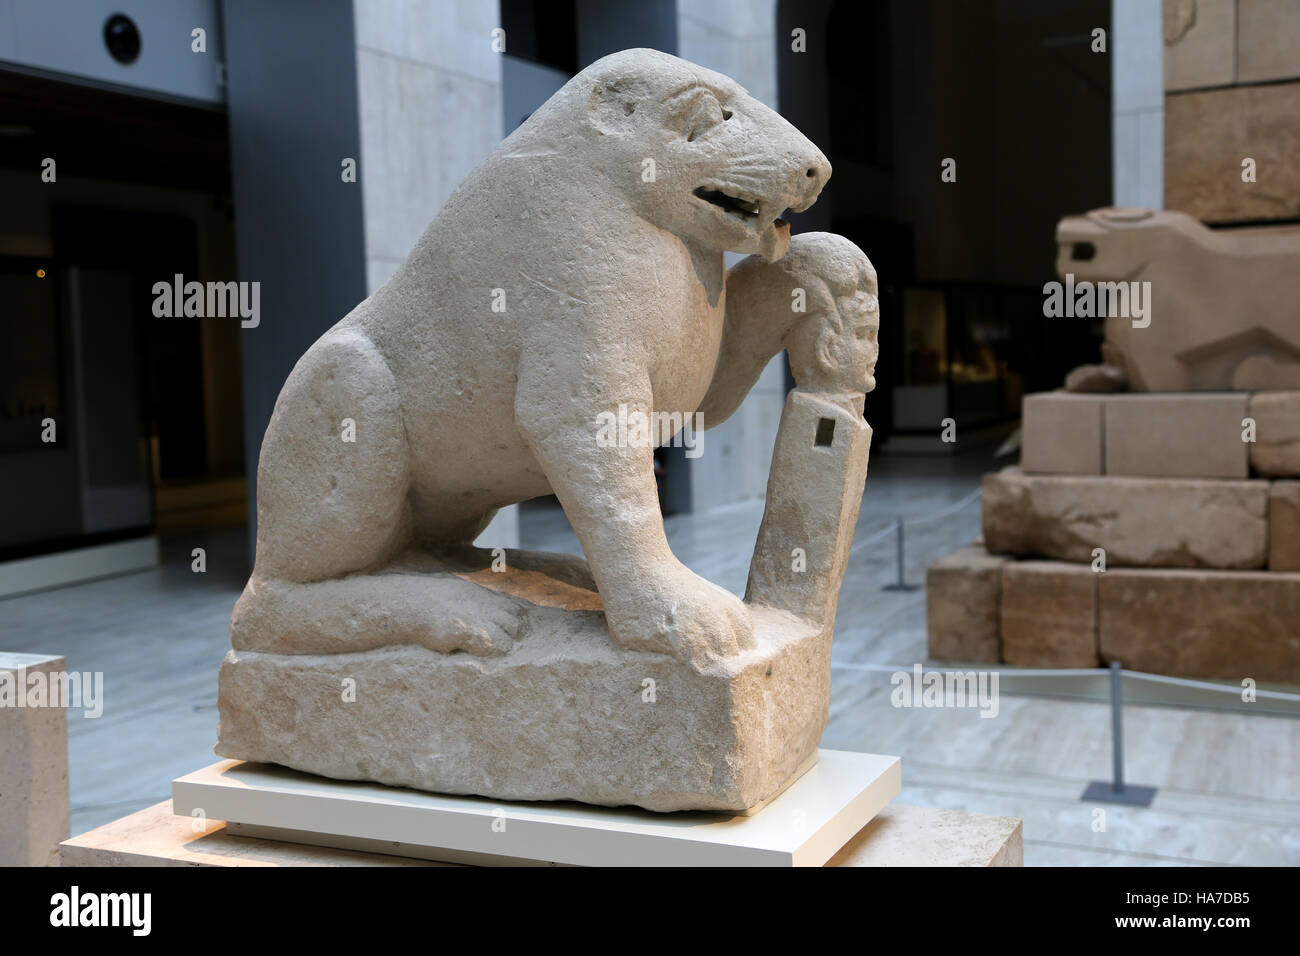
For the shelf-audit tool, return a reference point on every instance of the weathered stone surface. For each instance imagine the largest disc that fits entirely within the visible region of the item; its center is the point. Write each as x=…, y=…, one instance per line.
x=1266, y=34
x=33, y=766
x=1210, y=300
x=1207, y=135
x=1225, y=624
x=1049, y=614
x=1276, y=449
x=565, y=715
x=488, y=370
x=1147, y=522
x=1061, y=433
x=963, y=594
x=1188, y=436
x=1284, y=526
x=802, y=552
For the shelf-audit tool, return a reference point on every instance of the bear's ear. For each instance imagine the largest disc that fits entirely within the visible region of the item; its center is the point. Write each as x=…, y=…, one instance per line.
x=613, y=105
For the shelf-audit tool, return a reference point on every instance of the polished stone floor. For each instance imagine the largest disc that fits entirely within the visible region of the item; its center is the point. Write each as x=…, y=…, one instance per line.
x=1229, y=782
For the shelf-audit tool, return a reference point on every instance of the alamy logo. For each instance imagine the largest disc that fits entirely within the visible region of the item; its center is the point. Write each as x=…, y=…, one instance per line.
x=1097, y=300
x=75, y=908
x=213, y=300
x=635, y=429
x=921, y=688
x=57, y=689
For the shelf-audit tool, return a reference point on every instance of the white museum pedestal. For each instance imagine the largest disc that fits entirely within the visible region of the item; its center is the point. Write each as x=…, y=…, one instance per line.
x=805, y=825
x=898, y=836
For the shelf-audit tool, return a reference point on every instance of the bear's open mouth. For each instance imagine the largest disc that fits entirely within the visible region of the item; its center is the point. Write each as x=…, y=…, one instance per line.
x=733, y=205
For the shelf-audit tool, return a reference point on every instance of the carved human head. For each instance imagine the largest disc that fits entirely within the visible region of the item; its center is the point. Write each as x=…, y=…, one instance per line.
x=834, y=349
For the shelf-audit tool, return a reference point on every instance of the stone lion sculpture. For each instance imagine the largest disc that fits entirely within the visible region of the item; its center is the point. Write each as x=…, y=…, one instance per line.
x=579, y=270
x=1221, y=312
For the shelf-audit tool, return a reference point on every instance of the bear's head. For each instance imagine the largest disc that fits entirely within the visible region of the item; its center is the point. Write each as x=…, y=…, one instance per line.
x=1115, y=243
x=694, y=153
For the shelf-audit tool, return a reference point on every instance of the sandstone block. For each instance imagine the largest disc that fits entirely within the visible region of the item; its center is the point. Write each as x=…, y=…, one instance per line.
x=1284, y=526
x=1276, y=449
x=565, y=715
x=1049, y=614
x=33, y=765
x=1061, y=434
x=1146, y=522
x=1266, y=34
x=1199, y=40
x=963, y=594
x=1214, y=624
x=1185, y=435
x=1209, y=132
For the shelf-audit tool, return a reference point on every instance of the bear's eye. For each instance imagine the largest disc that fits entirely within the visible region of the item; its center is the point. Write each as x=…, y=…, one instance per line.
x=702, y=114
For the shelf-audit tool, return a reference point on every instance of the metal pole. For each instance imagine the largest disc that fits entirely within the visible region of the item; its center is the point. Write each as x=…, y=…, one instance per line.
x=1117, y=723
x=1114, y=791
x=901, y=573
x=901, y=584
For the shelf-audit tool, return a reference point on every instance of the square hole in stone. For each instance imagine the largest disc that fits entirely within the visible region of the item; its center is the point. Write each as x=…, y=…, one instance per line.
x=825, y=432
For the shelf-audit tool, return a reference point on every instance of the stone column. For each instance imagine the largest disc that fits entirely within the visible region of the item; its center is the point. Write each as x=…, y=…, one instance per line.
x=1137, y=103
x=33, y=766
x=290, y=95
x=739, y=40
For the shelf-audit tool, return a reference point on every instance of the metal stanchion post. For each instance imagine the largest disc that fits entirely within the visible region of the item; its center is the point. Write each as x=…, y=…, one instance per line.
x=901, y=584
x=1100, y=791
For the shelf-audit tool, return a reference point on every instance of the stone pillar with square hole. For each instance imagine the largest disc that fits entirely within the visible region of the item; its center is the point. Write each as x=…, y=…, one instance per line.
x=814, y=491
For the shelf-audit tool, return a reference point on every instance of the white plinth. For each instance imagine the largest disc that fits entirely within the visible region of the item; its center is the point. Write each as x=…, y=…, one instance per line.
x=804, y=826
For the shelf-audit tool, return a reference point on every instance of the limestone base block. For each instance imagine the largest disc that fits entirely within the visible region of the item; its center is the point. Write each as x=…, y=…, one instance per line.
x=1159, y=435
x=1144, y=522
x=566, y=715
x=33, y=765
x=1203, y=623
x=1276, y=449
x=1284, y=526
x=1214, y=624
x=1061, y=433
x=915, y=836
x=1049, y=614
x=963, y=593
x=1185, y=435
x=898, y=836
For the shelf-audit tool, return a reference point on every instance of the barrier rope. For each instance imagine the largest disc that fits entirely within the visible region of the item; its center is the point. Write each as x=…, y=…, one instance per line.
x=1071, y=672
x=860, y=543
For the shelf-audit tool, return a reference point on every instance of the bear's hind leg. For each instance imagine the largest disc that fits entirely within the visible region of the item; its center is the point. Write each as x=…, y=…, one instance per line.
x=333, y=502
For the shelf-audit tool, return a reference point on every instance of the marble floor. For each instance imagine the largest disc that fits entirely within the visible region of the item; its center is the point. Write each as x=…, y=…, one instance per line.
x=1229, y=782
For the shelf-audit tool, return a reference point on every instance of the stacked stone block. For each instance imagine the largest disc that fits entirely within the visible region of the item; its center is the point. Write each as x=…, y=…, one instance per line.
x=1158, y=530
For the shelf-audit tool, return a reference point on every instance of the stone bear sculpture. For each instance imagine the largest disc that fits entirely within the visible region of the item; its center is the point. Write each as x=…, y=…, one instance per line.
x=579, y=269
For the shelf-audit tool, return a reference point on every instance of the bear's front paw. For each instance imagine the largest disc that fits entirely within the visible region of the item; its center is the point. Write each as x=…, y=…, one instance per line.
x=675, y=611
